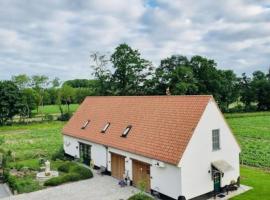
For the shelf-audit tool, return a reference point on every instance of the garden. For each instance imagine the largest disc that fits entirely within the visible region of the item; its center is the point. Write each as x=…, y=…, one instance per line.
x=27, y=147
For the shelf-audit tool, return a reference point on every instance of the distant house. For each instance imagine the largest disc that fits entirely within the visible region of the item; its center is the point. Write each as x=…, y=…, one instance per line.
x=179, y=146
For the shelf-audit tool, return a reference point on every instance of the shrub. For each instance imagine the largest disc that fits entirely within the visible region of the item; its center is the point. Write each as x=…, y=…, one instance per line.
x=66, y=167
x=48, y=117
x=60, y=154
x=82, y=171
x=64, y=117
x=140, y=196
x=54, y=181
x=62, y=179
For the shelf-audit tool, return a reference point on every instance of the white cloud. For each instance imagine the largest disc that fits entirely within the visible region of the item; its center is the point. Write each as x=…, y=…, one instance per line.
x=55, y=37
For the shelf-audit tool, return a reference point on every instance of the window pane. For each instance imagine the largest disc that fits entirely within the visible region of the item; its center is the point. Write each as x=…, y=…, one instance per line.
x=215, y=139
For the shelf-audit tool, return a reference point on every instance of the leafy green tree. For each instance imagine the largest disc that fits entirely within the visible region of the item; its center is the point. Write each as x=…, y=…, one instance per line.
x=55, y=82
x=261, y=85
x=22, y=81
x=130, y=71
x=39, y=83
x=101, y=73
x=176, y=74
x=67, y=94
x=247, y=91
x=10, y=101
x=29, y=99
x=229, y=88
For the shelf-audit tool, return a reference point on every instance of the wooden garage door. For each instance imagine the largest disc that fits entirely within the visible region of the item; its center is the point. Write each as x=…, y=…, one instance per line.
x=141, y=174
x=117, y=166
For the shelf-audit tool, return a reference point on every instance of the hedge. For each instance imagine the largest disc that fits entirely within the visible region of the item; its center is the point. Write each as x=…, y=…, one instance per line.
x=74, y=173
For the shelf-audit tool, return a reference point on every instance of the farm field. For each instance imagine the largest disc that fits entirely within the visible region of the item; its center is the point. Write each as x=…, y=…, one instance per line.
x=54, y=109
x=253, y=133
x=32, y=140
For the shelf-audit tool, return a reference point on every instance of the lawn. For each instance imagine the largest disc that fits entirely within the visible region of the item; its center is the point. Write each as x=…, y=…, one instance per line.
x=54, y=109
x=259, y=180
x=253, y=133
x=33, y=140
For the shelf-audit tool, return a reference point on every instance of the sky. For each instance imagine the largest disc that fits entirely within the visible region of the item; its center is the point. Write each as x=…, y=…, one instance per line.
x=56, y=37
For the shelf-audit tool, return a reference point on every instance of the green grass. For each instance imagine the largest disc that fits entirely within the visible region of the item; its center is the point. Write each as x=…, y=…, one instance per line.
x=32, y=140
x=253, y=133
x=259, y=180
x=54, y=109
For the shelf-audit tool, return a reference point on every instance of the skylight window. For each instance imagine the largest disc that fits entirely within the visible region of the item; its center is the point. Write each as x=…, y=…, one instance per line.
x=105, y=127
x=126, y=131
x=85, y=124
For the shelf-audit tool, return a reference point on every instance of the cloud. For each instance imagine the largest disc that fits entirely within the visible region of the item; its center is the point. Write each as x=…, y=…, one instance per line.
x=55, y=37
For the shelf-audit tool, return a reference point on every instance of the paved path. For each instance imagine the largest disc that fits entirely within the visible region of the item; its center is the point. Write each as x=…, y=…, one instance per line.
x=97, y=188
x=3, y=191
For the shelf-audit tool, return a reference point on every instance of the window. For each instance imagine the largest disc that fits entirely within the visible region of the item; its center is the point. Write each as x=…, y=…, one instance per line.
x=105, y=127
x=215, y=139
x=85, y=124
x=126, y=131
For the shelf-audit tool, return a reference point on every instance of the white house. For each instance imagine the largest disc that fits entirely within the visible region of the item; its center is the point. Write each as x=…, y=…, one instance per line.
x=180, y=146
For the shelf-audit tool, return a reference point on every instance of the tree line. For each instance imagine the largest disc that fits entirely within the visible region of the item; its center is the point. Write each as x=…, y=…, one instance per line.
x=126, y=72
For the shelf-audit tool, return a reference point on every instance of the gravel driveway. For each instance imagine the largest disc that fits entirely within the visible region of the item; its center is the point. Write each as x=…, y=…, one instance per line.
x=97, y=188
x=3, y=191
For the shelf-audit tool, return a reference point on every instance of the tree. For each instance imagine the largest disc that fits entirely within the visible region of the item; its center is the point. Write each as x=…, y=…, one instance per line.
x=261, y=85
x=67, y=94
x=39, y=83
x=56, y=82
x=22, y=81
x=247, y=91
x=29, y=99
x=229, y=88
x=176, y=74
x=10, y=101
x=101, y=73
x=130, y=72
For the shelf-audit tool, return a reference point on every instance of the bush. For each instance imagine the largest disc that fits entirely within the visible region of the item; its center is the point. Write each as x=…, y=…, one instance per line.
x=62, y=179
x=75, y=173
x=66, y=167
x=64, y=117
x=82, y=171
x=140, y=196
x=60, y=154
x=48, y=117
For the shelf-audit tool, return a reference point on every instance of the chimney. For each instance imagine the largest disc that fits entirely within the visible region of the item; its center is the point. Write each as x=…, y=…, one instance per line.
x=168, y=93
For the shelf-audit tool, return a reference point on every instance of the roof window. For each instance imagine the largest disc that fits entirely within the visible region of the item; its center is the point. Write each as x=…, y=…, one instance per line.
x=105, y=127
x=85, y=124
x=126, y=131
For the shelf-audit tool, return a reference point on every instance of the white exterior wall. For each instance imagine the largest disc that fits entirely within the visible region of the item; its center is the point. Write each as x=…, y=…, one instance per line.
x=98, y=152
x=197, y=158
x=166, y=180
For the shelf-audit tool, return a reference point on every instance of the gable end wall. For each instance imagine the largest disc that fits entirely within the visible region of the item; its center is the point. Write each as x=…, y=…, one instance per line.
x=196, y=161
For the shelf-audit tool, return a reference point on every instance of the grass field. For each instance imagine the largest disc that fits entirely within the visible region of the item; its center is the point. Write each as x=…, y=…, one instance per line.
x=259, y=180
x=32, y=140
x=253, y=133
x=54, y=109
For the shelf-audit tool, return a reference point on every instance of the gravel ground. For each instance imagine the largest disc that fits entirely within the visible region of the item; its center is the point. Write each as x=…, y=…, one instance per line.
x=3, y=191
x=97, y=188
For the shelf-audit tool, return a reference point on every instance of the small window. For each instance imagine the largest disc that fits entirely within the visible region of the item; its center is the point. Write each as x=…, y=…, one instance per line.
x=85, y=124
x=215, y=140
x=105, y=127
x=126, y=131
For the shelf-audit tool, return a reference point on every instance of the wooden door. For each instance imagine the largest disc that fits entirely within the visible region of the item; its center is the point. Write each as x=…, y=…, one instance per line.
x=117, y=166
x=141, y=174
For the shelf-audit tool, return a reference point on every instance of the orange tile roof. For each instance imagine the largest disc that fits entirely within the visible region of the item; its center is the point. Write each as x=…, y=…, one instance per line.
x=161, y=125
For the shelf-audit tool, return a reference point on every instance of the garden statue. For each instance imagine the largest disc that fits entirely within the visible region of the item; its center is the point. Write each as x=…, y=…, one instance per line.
x=47, y=168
